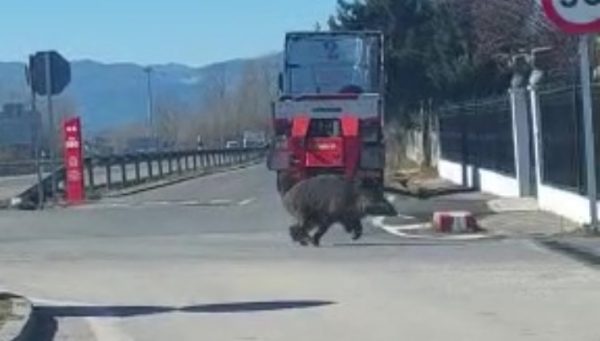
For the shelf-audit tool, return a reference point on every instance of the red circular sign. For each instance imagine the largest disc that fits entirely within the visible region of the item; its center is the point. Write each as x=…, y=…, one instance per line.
x=574, y=16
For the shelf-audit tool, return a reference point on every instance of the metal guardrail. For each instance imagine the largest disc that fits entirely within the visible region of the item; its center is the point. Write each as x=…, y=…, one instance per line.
x=114, y=172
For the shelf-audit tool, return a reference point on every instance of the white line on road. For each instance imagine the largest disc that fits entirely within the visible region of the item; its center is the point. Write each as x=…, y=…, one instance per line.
x=220, y=202
x=246, y=202
x=400, y=231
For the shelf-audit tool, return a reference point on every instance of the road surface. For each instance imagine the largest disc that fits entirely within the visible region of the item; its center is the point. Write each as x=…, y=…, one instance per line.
x=210, y=259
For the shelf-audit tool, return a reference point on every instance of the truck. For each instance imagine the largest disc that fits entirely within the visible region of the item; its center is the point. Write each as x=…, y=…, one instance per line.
x=328, y=118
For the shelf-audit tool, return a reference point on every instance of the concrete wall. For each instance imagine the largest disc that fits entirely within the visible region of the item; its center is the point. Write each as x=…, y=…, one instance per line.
x=413, y=141
x=567, y=204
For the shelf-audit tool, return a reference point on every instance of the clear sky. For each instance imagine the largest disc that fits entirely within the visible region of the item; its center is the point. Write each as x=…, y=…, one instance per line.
x=193, y=32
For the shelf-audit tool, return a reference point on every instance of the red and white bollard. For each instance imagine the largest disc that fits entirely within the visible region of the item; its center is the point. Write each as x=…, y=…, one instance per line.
x=455, y=222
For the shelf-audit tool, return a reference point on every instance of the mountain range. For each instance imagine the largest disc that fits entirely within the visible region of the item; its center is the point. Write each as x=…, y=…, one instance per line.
x=112, y=95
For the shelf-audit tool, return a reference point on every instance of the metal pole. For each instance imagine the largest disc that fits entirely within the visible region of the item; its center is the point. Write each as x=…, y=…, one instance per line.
x=52, y=133
x=588, y=124
x=37, y=148
x=150, y=113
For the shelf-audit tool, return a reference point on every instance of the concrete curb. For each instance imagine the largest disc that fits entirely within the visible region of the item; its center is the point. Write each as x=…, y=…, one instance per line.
x=22, y=326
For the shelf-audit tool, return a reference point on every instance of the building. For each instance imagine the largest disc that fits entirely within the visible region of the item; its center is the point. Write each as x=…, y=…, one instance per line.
x=17, y=131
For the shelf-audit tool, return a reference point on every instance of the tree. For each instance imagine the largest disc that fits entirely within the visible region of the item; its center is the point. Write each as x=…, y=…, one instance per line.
x=449, y=50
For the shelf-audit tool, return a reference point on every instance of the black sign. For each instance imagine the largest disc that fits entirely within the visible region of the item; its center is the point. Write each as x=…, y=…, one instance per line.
x=60, y=73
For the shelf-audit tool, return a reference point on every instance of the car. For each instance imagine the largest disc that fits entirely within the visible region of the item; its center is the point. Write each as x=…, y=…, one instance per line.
x=232, y=145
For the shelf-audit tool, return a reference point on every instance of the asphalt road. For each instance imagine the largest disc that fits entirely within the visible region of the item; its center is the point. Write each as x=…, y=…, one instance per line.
x=210, y=259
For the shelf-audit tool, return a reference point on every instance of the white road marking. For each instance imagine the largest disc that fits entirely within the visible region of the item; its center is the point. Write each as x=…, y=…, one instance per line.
x=220, y=202
x=246, y=202
x=399, y=231
x=190, y=203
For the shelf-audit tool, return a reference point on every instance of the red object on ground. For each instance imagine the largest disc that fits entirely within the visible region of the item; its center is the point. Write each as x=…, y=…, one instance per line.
x=73, y=161
x=455, y=222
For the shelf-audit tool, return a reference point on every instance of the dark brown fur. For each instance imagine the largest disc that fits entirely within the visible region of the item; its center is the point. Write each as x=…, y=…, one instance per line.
x=321, y=201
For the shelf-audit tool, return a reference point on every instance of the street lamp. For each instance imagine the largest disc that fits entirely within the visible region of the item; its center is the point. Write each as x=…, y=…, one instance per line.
x=150, y=113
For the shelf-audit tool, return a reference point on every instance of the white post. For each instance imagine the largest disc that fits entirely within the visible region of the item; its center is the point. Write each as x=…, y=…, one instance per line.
x=588, y=124
x=521, y=140
x=536, y=120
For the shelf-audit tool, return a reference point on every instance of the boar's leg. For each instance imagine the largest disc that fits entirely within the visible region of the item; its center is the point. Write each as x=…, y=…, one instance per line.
x=353, y=226
x=316, y=238
x=298, y=234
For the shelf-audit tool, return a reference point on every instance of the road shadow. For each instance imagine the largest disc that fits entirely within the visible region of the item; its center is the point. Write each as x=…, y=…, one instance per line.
x=47, y=314
x=44, y=328
x=424, y=194
x=582, y=255
x=399, y=244
x=244, y=307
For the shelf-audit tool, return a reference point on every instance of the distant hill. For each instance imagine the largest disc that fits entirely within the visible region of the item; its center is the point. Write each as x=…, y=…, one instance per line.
x=112, y=95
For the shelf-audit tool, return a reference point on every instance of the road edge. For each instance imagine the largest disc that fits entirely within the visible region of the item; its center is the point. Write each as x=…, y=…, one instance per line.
x=19, y=329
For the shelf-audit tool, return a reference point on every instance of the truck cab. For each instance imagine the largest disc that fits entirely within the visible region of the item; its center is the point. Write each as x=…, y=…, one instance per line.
x=329, y=115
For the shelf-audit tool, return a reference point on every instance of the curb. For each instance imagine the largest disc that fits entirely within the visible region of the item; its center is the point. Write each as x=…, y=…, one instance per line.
x=21, y=327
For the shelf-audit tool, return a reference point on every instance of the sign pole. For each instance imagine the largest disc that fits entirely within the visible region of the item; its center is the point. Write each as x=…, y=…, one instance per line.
x=588, y=123
x=37, y=150
x=52, y=128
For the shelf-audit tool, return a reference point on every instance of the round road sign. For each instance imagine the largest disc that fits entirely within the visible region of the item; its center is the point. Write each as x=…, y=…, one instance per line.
x=574, y=16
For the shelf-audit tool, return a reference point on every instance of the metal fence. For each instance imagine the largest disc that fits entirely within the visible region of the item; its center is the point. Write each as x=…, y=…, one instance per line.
x=115, y=172
x=479, y=134
x=562, y=140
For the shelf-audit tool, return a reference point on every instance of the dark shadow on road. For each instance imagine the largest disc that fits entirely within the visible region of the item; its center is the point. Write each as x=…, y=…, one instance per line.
x=424, y=194
x=49, y=314
x=100, y=311
x=440, y=243
x=243, y=307
x=45, y=327
x=577, y=253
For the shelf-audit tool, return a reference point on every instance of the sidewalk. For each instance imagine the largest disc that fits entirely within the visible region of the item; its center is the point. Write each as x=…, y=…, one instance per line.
x=512, y=217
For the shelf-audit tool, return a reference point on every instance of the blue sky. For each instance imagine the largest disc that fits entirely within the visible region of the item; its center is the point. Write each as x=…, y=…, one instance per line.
x=194, y=32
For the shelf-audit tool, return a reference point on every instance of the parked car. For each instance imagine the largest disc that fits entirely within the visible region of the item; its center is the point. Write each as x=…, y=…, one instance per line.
x=232, y=145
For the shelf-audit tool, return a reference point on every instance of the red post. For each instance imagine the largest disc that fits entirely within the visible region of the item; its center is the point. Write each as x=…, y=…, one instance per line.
x=73, y=161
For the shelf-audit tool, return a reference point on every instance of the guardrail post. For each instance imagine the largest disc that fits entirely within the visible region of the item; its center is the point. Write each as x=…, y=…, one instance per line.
x=136, y=161
x=108, y=174
x=170, y=165
x=123, y=172
x=178, y=158
x=187, y=163
x=195, y=160
x=89, y=165
x=161, y=172
x=149, y=163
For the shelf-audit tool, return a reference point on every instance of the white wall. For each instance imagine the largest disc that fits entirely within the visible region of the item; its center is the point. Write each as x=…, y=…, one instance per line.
x=489, y=181
x=567, y=204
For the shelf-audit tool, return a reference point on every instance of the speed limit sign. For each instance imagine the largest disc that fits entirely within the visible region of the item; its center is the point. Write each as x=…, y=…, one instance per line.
x=574, y=16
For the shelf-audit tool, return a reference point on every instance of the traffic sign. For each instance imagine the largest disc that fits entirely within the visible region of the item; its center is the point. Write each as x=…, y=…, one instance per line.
x=574, y=16
x=59, y=73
